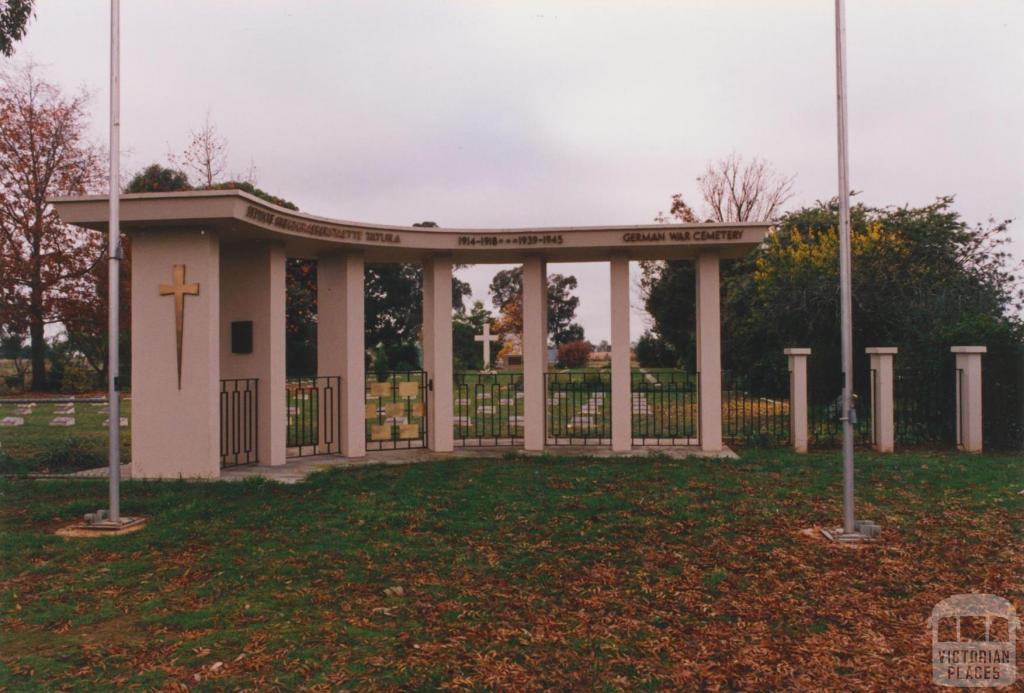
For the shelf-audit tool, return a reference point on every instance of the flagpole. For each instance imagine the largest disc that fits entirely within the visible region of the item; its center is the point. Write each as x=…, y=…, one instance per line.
x=848, y=415
x=114, y=261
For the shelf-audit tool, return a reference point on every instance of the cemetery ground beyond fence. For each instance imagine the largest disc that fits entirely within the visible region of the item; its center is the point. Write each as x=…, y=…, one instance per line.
x=37, y=447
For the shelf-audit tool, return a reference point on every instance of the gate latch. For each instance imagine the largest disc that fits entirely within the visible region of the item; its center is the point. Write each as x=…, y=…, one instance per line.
x=430, y=384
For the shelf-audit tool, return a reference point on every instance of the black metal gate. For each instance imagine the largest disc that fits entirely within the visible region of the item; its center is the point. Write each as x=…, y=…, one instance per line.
x=239, y=417
x=314, y=415
x=578, y=407
x=396, y=410
x=488, y=408
x=664, y=407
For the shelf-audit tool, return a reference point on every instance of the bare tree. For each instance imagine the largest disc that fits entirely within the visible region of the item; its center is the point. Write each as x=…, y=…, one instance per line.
x=734, y=190
x=207, y=154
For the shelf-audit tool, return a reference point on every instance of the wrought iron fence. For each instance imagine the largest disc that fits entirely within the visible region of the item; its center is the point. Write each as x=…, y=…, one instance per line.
x=396, y=410
x=825, y=428
x=314, y=415
x=488, y=409
x=578, y=407
x=239, y=421
x=752, y=415
x=1002, y=393
x=664, y=407
x=924, y=407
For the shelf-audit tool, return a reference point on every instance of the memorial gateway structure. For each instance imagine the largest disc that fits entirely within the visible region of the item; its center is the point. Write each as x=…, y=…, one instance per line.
x=208, y=380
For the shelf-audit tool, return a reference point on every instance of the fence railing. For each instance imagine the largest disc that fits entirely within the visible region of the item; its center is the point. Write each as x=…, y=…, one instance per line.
x=750, y=417
x=1002, y=393
x=924, y=408
x=239, y=421
x=664, y=405
x=578, y=407
x=396, y=410
x=488, y=408
x=825, y=427
x=314, y=415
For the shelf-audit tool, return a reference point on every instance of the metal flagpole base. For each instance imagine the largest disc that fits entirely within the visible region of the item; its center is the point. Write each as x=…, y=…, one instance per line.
x=864, y=531
x=99, y=524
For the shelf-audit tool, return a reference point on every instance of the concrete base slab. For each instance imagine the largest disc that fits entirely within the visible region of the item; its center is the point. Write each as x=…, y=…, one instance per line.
x=837, y=537
x=104, y=528
x=296, y=470
x=126, y=472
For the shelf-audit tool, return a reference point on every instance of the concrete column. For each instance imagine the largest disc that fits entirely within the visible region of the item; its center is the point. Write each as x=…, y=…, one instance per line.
x=535, y=351
x=798, y=397
x=175, y=430
x=709, y=351
x=968, y=397
x=883, y=409
x=622, y=420
x=437, y=351
x=340, y=341
x=252, y=278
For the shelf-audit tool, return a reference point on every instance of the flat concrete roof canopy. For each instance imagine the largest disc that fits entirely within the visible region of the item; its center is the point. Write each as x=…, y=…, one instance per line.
x=239, y=216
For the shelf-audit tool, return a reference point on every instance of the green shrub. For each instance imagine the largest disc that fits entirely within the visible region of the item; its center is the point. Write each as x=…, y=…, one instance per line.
x=69, y=455
x=654, y=352
x=77, y=378
x=9, y=465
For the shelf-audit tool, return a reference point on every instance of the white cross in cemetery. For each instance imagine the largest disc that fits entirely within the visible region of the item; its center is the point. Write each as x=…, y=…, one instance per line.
x=487, y=338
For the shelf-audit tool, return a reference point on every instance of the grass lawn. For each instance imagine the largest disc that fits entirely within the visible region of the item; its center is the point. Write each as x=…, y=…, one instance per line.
x=512, y=574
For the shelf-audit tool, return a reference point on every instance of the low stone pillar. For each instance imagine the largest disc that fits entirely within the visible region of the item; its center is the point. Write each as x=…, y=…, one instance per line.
x=798, y=397
x=968, y=397
x=883, y=419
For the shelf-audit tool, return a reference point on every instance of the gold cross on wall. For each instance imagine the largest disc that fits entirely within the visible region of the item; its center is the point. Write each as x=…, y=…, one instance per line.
x=179, y=289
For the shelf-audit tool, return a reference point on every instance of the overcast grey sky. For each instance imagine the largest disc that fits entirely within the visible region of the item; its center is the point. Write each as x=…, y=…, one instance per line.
x=481, y=113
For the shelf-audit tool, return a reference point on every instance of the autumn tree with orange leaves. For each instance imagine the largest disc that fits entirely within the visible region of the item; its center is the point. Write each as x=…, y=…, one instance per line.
x=45, y=265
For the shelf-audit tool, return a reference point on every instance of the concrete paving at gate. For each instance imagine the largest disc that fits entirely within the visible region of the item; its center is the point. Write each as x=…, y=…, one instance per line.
x=298, y=468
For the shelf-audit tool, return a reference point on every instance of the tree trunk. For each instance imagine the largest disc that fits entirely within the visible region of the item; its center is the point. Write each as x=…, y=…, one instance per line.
x=38, y=339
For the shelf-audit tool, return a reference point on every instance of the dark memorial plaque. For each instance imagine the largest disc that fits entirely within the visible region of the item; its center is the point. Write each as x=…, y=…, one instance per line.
x=241, y=337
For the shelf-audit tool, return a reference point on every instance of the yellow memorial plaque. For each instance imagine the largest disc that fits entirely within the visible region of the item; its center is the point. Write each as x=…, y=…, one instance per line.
x=407, y=431
x=409, y=389
x=380, y=432
x=394, y=409
x=417, y=409
x=371, y=411
x=380, y=389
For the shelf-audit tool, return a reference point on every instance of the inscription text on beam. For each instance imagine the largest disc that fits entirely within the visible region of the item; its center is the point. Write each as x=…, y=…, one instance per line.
x=179, y=289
